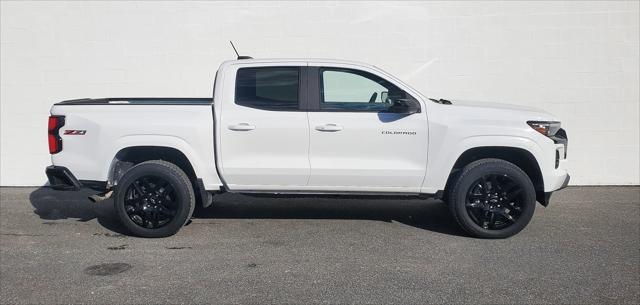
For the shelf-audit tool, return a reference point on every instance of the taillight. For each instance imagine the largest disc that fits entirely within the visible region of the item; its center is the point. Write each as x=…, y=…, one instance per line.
x=55, y=142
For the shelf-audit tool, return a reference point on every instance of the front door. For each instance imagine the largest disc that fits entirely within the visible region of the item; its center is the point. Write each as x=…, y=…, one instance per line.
x=356, y=143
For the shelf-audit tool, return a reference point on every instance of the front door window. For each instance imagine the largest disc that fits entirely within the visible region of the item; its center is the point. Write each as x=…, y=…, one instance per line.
x=353, y=90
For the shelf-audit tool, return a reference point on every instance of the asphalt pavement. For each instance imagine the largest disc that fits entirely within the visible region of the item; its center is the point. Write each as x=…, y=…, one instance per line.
x=58, y=247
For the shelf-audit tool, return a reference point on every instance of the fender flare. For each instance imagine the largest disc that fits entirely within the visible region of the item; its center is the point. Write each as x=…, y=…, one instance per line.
x=438, y=170
x=497, y=141
x=200, y=167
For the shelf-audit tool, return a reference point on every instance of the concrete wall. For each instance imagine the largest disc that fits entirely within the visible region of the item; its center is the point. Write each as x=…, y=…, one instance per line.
x=578, y=60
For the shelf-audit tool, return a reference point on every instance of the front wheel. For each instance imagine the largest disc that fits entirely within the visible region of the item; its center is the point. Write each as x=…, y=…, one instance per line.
x=154, y=199
x=492, y=198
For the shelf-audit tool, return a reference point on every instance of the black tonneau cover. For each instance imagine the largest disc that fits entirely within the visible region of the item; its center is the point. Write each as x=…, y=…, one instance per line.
x=140, y=101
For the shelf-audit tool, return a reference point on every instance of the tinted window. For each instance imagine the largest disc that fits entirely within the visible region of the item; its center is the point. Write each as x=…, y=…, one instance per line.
x=273, y=88
x=347, y=89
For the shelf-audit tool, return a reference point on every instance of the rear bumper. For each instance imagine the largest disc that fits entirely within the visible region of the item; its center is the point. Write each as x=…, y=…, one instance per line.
x=61, y=178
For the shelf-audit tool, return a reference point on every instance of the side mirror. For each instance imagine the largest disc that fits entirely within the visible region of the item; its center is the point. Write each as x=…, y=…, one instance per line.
x=405, y=106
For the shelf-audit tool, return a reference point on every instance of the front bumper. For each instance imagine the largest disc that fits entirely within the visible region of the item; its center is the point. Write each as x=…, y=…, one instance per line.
x=545, y=197
x=565, y=183
x=61, y=178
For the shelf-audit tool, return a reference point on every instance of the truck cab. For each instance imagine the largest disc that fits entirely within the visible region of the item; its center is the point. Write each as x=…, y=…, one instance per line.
x=318, y=127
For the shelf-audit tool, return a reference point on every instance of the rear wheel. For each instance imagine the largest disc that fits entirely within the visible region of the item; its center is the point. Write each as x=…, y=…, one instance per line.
x=154, y=199
x=492, y=198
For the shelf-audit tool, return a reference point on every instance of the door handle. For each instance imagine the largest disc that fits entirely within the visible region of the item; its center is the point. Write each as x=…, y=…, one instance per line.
x=329, y=127
x=242, y=127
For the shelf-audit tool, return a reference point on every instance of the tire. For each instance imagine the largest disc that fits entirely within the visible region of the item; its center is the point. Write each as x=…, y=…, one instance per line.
x=492, y=198
x=154, y=199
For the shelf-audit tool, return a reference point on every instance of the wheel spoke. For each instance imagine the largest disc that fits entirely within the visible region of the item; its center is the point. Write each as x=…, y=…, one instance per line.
x=147, y=185
x=494, y=183
x=485, y=219
x=137, y=187
x=133, y=200
x=485, y=184
x=137, y=219
x=506, y=215
x=476, y=196
x=473, y=204
x=159, y=186
x=492, y=219
x=165, y=211
x=167, y=190
x=474, y=200
x=130, y=209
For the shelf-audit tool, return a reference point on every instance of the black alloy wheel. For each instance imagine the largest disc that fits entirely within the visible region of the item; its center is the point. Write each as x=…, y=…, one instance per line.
x=154, y=199
x=492, y=198
x=151, y=202
x=494, y=201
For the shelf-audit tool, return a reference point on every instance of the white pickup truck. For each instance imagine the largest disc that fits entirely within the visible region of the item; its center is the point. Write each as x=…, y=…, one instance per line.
x=307, y=126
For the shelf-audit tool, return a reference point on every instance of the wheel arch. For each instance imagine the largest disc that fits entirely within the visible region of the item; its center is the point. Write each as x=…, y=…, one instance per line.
x=129, y=156
x=520, y=157
x=195, y=163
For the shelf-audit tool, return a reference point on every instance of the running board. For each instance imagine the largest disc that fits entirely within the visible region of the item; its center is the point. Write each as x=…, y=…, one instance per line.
x=332, y=193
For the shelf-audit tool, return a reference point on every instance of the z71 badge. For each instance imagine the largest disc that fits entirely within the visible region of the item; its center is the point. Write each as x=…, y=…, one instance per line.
x=74, y=132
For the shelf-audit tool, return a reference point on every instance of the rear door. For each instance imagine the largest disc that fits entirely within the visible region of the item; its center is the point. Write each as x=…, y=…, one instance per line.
x=263, y=133
x=356, y=144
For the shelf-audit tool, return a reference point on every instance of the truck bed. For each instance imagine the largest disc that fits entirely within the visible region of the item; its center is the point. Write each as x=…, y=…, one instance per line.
x=98, y=130
x=140, y=101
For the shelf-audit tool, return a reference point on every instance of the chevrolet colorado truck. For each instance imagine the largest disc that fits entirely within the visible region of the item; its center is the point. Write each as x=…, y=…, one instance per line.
x=307, y=126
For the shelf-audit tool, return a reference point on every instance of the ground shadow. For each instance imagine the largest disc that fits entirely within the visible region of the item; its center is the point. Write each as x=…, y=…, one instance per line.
x=50, y=204
x=431, y=215
x=428, y=214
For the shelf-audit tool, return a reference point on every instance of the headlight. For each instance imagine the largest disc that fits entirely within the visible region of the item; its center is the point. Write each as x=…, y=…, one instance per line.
x=546, y=128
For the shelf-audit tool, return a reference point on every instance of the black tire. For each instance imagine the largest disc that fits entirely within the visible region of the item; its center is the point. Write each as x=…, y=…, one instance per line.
x=492, y=198
x=154, y=199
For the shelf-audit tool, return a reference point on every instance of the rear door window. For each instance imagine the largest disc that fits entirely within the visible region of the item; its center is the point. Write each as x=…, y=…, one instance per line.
x=270, y=88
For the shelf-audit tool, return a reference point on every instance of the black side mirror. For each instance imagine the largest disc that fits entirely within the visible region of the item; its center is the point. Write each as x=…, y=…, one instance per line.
x=405, y=106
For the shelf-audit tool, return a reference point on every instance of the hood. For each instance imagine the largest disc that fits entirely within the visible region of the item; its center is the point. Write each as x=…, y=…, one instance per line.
x=531, y=112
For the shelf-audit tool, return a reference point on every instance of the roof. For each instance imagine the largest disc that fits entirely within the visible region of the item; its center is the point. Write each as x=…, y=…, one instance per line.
x=276, y=60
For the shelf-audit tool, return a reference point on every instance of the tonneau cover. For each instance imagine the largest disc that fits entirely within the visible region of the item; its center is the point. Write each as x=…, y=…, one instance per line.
x=140, y=101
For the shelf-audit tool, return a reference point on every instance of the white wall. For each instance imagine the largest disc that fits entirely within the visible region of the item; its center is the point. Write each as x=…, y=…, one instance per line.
x=578, y=60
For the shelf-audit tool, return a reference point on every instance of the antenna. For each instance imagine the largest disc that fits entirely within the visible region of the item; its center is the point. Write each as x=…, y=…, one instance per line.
x=234, y=48
x=239, y=57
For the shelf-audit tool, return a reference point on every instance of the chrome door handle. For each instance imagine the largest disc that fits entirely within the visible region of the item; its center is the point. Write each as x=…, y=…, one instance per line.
x=242, y=127
x=329, y=127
